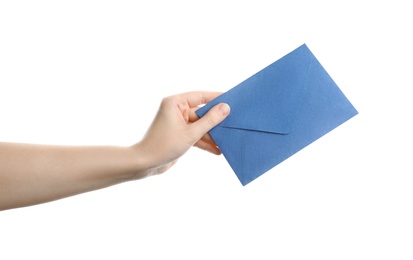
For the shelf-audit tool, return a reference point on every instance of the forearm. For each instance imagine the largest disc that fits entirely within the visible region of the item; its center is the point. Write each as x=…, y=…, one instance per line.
x=32, y=174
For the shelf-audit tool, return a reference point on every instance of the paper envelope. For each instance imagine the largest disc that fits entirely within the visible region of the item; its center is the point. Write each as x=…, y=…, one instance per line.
x=277, y=112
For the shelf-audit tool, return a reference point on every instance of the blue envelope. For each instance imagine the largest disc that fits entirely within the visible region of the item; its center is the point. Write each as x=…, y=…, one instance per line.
x=277, y=112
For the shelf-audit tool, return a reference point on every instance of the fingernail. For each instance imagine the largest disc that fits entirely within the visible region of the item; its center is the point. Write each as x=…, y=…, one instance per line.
x=224, y=108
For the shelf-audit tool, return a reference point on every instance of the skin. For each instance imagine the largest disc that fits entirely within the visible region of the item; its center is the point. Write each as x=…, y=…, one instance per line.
x=31, y=174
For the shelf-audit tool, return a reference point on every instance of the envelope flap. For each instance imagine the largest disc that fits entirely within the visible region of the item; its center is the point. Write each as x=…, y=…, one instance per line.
x=269, y=100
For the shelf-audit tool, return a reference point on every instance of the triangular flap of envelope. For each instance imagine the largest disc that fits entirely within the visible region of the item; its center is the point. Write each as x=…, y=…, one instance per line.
x=269, y=100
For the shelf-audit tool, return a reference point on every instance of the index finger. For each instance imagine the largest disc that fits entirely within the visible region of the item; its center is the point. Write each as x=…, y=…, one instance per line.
x=197, y=98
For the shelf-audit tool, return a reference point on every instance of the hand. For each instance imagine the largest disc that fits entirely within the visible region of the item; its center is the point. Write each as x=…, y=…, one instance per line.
x=177, y=127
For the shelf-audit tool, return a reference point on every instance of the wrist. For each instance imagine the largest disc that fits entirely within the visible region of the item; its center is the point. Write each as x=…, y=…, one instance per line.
x=139, y=161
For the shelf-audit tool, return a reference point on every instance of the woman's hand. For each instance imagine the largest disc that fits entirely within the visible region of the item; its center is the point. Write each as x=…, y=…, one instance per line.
x=177, y=127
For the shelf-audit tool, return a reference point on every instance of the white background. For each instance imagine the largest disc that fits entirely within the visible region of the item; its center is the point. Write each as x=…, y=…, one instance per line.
x=94, y=72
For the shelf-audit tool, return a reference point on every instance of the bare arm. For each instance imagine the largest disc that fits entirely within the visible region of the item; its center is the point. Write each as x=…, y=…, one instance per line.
x=32, y=174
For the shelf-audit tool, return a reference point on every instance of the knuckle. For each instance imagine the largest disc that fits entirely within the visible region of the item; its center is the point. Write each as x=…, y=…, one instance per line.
x=210, y=119
x=174, y=99
x=167, y=100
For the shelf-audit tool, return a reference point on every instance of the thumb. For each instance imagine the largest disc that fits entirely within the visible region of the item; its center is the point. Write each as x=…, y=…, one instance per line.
x=215, y=115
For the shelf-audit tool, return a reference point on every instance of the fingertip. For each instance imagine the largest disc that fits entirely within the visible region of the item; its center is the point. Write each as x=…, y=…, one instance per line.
x=224, y=108
x=208, y=147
